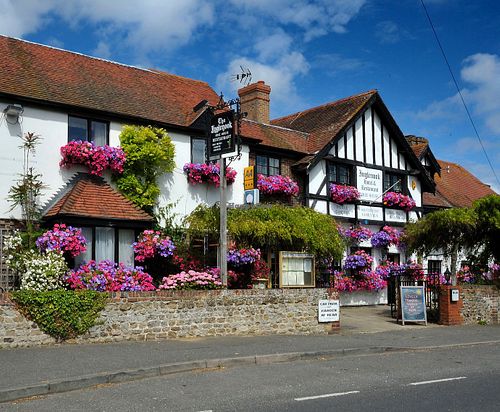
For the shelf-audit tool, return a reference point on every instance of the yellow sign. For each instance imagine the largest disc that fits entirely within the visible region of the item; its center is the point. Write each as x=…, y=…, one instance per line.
x=413, y=184
x=249, y=178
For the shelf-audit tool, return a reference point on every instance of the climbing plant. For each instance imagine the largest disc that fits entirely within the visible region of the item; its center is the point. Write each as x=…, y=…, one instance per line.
x=150, y=153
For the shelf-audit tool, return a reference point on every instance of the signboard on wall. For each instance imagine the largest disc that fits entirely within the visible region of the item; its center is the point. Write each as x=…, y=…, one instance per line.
x=328, y=310
x=345, y=210
x=395, y=215
x=370, y=213
x=249, y=178
x=221, y=137
x=413, y=307
x=369, y=184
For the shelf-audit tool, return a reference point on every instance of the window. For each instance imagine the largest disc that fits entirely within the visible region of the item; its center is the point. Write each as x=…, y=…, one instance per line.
x=296, y=269
x=108, y=243
x=88, y=130
x=394, y=258
x=434, y=266
x=267, y=166
x=393, y=182
x=340, y=174
x=198, y=150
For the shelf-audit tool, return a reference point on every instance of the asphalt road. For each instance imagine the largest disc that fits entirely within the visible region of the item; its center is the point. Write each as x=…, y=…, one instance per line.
x=459, y=379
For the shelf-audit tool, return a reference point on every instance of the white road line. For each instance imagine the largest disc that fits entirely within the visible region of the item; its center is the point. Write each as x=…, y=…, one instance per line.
x=328, y=395
x=437, y=380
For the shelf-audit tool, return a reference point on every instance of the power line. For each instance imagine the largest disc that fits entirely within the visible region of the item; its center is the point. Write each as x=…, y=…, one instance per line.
x=458, y=90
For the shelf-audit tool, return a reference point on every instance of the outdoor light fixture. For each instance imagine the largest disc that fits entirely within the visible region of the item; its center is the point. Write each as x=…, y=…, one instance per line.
x=14, y=110
x=447, y=274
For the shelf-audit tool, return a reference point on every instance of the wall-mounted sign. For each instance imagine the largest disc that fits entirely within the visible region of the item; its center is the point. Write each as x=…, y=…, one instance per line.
x=342, y=210
x=221, y=137
x=455, y=295
x=249, y=178
x=296, y=269
x=395, y=215
x=369, y=184
x=413, y=307
x=328, y=310
x=370, y=213
x=251, y=197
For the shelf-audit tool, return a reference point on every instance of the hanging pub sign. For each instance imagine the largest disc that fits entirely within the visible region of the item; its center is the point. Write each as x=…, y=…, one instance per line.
x=221, y=137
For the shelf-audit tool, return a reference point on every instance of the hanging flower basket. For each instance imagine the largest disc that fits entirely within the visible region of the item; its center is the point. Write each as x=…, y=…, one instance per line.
x=207, y=173
x=386, y=236
x=395, y=199
x=355, y=234
x=151, y=243
x=277, y=185
x=343, y=193
x=65, y=239
x=96, y=158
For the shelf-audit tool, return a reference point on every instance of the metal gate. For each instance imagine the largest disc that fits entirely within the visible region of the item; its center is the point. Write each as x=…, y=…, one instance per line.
x=431, y=283
x=8, y=279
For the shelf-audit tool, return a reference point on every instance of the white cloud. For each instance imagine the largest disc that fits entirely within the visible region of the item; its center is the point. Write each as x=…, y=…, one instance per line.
x=316, y=18
x=335, y=63
x=21, y=17
x=145, y=26
x=102, y=50
x=450, y=108
x=387, y=32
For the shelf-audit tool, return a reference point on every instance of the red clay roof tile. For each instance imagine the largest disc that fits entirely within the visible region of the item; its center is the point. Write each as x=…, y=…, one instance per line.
x=57, y=76
x=92, y=197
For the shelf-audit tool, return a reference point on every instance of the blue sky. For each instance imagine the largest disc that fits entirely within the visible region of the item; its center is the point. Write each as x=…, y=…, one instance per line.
x=309, y=52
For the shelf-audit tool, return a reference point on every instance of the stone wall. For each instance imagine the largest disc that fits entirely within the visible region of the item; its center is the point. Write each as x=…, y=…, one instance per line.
x=167, y=314
x=481, y=304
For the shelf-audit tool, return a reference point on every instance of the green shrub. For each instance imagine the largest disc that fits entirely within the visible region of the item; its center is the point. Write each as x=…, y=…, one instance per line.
x=62, y=314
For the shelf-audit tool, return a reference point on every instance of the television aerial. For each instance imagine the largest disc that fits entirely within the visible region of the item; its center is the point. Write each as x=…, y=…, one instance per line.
x=245, y=77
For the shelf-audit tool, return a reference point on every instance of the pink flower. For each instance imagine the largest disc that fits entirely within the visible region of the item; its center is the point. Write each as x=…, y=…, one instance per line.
x=277, y=184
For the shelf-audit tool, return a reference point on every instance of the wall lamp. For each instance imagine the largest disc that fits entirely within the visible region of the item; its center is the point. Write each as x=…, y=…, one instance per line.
x=14, y=110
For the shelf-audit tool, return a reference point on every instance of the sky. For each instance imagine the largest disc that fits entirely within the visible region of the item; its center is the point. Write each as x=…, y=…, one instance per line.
x=309, y=52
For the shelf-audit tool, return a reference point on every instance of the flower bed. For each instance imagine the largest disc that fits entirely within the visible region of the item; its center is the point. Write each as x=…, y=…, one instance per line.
x=107, y=276
x=150, y=243
x=395, y=199
x=210, y=279
x=385, y=237
x=343, y=193
x=277, y=185
x=62, y=238
x=96, y=158
x=207, y=173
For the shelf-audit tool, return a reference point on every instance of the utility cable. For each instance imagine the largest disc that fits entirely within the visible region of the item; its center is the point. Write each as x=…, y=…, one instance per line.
x=458, y=90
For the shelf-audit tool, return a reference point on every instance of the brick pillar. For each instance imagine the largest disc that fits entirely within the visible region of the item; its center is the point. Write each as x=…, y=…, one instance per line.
x=450, y=312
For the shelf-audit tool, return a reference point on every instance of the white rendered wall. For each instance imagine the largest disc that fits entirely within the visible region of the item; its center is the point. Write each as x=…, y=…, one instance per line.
x=316, y=177
x=52, y=126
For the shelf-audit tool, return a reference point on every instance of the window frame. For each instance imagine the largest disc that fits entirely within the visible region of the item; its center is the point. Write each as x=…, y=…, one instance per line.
x=204, y=140
x=432, y=262
x=267, y=166
x=89, y=121
x=392, y=176
x=333, y=166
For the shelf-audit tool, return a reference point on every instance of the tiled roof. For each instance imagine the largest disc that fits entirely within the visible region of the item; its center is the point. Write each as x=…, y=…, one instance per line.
x=456, y=187
x=274, y=136
x=57, y=76
x=419, y=149
x=91, y=197
x=324, y=122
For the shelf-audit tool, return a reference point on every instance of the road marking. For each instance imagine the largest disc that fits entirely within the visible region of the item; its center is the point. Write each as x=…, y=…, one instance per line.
x=327, y=395
x=437, y=380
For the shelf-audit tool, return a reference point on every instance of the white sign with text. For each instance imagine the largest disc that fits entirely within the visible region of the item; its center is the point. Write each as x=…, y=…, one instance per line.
x=328, y=310
x=342, y=210
x=369, y=184
x=395, y=215
x=370, y=213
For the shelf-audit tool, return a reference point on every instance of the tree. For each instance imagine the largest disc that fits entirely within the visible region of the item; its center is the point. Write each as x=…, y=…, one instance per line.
x=273, y=227
x=150, y=153
x=474, y=230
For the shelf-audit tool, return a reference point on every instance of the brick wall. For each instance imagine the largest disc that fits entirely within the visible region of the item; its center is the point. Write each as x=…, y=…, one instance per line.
x=480, y=304
x=166, y=314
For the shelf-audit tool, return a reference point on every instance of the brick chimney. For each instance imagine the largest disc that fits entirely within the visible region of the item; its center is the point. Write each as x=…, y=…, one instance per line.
x=413, y=140
x=255, y=100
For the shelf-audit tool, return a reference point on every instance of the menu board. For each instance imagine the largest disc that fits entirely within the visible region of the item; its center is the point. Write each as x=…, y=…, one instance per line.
x=413, y=307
